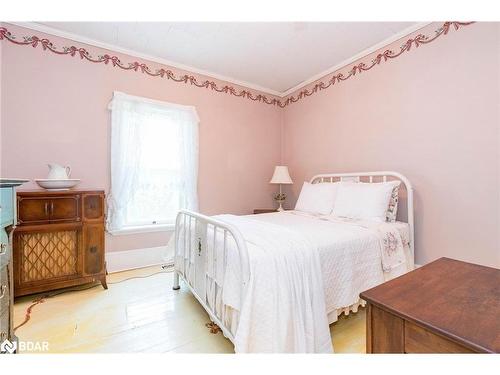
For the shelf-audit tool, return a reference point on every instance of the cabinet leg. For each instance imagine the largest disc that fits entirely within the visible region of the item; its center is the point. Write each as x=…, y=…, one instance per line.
x=104, y=283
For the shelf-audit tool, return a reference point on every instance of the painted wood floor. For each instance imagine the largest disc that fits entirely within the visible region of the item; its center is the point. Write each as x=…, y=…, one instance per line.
x=142, y=315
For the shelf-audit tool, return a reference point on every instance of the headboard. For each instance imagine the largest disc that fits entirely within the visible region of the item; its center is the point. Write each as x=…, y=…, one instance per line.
x=371, y=177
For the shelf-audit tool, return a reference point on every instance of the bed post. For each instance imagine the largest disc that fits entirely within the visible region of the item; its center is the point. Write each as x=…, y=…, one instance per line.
x=176, y=285
x=176, y=239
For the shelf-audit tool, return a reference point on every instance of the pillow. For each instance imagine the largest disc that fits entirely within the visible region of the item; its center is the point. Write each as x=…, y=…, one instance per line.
x=364, y=200
x=317, y=198
x=392, y=210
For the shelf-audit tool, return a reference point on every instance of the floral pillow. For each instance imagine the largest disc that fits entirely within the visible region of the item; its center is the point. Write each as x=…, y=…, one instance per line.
x=392, y=210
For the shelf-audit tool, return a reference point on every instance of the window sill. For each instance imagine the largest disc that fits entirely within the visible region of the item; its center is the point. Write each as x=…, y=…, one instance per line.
x=143, y=229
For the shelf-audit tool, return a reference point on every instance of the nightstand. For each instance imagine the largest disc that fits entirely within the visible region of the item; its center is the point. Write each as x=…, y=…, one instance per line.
x=265, y=210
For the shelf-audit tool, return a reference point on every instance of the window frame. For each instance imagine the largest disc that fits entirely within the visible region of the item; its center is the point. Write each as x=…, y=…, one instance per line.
x=119, y=225
x=143, y=229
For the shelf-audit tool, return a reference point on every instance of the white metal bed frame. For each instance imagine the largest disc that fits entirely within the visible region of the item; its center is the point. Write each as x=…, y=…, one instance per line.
x=194, y=229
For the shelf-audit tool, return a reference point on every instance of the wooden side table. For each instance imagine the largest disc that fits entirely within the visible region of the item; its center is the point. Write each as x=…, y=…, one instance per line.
x=266, y=210
x=446, y=306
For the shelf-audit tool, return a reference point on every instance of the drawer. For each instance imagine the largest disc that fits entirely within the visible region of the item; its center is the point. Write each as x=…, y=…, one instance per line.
x=419, y=340
x=6, y=206
x=4, y=290
x=64, y=209
x=40, y=210
x=4, y=325
x=5, y=249
x=93, y=207
x=32, y=210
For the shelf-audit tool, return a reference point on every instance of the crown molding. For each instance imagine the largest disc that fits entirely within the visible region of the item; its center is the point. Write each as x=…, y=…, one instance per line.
x=360, y=55
x=416, y=40
x=52, y=31
x=77, y=38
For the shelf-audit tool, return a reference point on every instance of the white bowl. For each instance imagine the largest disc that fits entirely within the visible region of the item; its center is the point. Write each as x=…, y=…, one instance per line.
x=58, y=184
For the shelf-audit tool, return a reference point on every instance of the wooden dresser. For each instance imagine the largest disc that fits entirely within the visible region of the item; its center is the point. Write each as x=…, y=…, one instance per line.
x=446, y=306
x=7, y=221
x=59, y=240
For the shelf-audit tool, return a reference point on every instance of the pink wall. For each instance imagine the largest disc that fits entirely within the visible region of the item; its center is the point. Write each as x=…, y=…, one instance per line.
x=431, y=114
x=54, y=109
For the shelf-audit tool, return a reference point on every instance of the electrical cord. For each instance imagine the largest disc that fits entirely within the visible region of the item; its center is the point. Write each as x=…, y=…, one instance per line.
x=166, y=269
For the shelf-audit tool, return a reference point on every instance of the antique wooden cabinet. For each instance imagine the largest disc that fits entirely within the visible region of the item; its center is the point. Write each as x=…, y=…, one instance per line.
x=59, y=240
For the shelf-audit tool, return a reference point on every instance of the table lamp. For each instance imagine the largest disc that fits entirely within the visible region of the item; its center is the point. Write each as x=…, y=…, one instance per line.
x=281, y=177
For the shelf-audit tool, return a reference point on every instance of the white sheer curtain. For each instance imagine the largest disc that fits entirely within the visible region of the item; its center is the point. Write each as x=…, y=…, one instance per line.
x=154, y=161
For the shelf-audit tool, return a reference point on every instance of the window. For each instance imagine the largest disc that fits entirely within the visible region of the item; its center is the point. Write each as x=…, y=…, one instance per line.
x=154, y=163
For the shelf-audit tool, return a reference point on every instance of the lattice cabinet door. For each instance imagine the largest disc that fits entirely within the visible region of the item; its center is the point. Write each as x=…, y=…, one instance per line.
x=47, y=256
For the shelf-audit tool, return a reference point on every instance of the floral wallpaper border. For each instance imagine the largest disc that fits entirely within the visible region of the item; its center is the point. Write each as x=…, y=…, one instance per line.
x=387, y=55
x=141, y=67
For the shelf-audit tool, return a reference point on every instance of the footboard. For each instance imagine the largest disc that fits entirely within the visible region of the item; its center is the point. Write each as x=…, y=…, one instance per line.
x=202, y=244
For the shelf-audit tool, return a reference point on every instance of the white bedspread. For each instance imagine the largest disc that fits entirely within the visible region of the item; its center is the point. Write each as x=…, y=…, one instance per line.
x=284, y=306
x=304, y=270
x=350, y=253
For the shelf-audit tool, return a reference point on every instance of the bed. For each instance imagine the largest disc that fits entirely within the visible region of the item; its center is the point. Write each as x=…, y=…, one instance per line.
x=273, y=282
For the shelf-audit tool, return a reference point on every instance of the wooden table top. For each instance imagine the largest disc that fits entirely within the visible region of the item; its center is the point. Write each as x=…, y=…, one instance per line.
x=11, y=182
x=456, y=299
x=71, y=191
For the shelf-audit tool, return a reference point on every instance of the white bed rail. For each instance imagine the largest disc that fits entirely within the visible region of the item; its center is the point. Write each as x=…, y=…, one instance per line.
x=373, y=177
x=195, y=235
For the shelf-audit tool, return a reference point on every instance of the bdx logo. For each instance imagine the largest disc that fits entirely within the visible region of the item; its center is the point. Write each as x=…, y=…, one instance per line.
x=8, y=347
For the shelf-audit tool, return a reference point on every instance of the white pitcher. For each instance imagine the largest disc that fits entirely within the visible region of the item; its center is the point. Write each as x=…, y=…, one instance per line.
x=57, y=172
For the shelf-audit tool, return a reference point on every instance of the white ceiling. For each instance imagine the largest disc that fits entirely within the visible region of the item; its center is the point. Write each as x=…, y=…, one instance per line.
x=271, y=56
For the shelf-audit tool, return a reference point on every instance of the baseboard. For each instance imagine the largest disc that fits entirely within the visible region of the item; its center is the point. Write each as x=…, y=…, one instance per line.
x=117, y=261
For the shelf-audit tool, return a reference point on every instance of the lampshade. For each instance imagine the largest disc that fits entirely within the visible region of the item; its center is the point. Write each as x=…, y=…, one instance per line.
x=281, y=175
